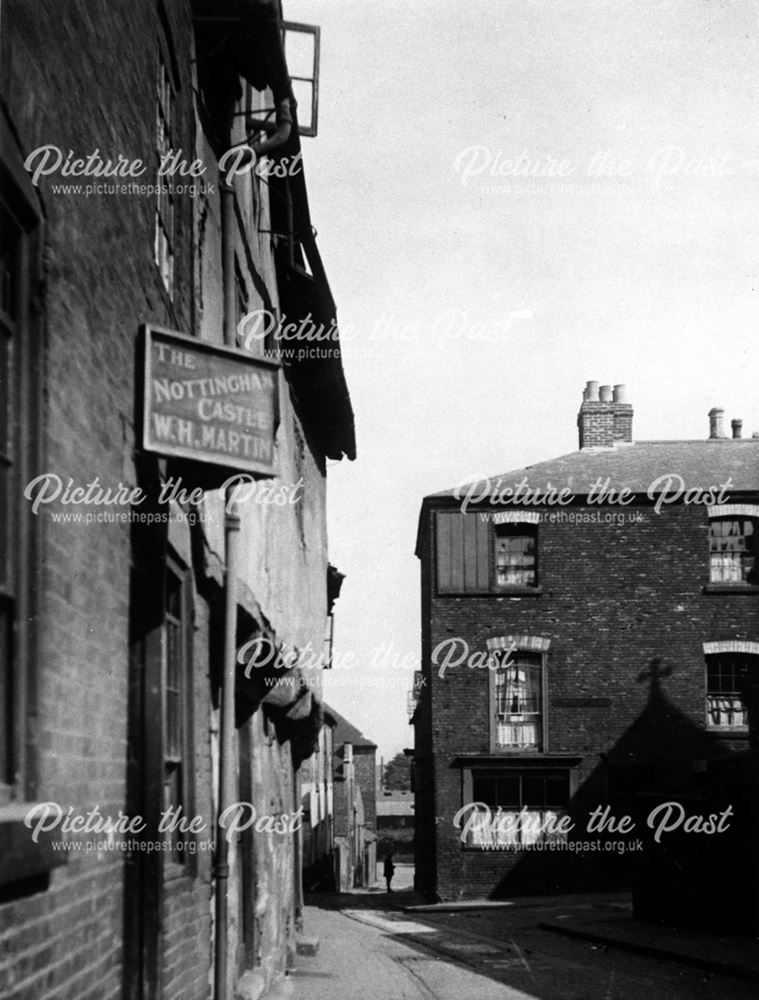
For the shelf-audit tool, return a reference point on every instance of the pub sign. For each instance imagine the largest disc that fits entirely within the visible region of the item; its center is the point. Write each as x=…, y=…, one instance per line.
x=209, y=404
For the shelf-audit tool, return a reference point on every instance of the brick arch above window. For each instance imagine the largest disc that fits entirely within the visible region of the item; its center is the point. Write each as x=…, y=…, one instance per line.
x=533, y=643
x=734, y=510
x=516, y=517
x=731, y=646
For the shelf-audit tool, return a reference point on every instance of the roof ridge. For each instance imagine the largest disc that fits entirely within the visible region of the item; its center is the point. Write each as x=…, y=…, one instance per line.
x=357, y=737
x=637, y=466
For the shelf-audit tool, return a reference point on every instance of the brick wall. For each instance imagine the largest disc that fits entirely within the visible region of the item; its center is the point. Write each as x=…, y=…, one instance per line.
x=366, y=777
x=425, y=769
x=100, y=282
x=614, y=598
x=95, y=89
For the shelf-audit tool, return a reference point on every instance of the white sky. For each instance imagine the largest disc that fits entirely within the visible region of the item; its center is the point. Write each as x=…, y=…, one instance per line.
x=651, y=280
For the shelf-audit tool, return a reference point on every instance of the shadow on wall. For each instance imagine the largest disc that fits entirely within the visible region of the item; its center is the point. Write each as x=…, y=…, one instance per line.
x=662, y=757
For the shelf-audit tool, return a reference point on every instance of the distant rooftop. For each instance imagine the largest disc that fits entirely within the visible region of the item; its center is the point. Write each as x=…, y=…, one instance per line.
x=346, y=732
x=608, y=450
x=711, y=471
x=637, y=467
x=395, y=803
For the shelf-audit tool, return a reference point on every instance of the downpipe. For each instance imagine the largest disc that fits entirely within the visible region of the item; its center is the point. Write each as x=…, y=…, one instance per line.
x=231, y=552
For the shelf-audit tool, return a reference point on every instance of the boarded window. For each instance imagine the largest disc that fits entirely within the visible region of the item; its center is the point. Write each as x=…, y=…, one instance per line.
x=463, y=552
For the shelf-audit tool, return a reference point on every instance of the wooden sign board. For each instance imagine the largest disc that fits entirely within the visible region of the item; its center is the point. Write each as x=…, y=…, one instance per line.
x=209, y=404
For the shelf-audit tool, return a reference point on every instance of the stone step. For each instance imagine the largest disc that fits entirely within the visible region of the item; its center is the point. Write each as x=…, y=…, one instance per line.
x=307, y=945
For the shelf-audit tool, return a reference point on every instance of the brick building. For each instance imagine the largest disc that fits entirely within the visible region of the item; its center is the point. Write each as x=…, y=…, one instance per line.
x=364, y=755
x=317, y=797
x=395, y=822
x=114, y=665
x=590, y=626
x=338, y=796
x=355, y=803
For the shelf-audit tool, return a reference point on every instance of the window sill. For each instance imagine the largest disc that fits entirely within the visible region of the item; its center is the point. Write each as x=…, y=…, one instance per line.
x=731, y=588
x=735, y=733
x=511, y=750
x=496, y=759
x=517, y=591
x=20, y=857
x=499, y=592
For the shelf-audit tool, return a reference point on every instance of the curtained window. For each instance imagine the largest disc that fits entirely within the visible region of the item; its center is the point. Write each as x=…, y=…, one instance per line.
x=726, y=677
x=516, y=555
x=519, y=700
x=732, y=550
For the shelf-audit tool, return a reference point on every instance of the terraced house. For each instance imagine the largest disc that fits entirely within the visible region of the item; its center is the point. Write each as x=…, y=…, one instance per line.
x=163, y=478
x=590, y=639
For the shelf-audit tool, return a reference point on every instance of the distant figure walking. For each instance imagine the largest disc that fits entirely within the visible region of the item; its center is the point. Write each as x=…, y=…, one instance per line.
x=388, y=870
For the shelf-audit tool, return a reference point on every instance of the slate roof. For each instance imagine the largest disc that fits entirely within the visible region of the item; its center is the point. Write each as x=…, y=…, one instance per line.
x=704, y=464
x=346, y=732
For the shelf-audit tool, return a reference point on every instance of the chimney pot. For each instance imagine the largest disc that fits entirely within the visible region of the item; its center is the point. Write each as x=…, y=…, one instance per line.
x=737, y=426
x=716, y=429
x=605, y=417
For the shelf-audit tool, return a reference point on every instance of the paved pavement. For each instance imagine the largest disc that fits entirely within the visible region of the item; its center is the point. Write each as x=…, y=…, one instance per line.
x=364, y=955
x=369, y=948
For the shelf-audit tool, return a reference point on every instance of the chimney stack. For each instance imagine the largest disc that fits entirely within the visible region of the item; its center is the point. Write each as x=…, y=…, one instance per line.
x=737, y=426
x=716, y=430
x=605, y=417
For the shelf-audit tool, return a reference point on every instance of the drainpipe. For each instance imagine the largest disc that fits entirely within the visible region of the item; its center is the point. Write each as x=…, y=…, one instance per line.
x=228, y=260
x=231, y=539
x=297, y=858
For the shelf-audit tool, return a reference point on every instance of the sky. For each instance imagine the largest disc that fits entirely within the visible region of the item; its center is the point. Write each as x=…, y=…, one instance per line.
x=513, y=197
